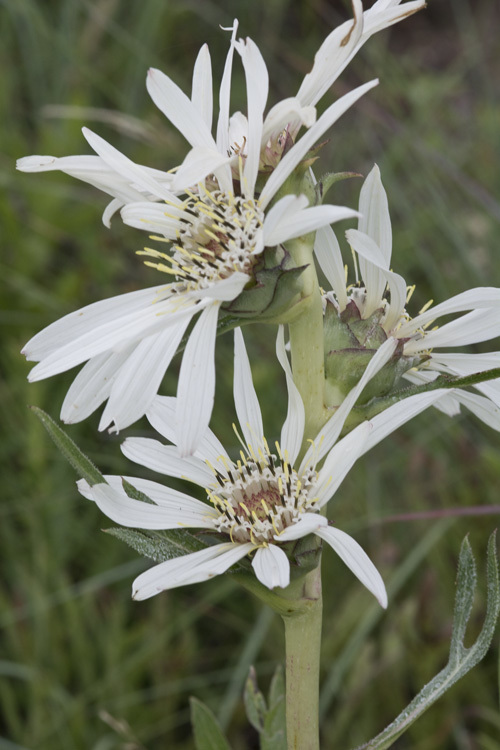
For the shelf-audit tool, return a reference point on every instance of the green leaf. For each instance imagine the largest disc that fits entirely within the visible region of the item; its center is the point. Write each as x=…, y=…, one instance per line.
x=378, y=405
x=207, y=732
x=277, y=687
x=71, y=452
x=326, y=181
x=255, y=703
x=158, y=545
x=270, y=722
x=274, y=734
x=461, y=659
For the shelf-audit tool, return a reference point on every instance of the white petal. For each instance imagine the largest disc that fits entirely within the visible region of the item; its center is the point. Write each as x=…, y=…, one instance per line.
x=484, y=408
x=90, y=169
x=196, y=386
x=271, y=567
x=329, y=257
x=119, y=331
x=152, y=217
x=179, y=109
x=126, y=167
x=193, y=568
x=339, y=462
x=199, y=162
x=345, y=41
x=309, y=523
x=122, y=509
x=73, y=325
x=376, y=276
x=385, y=13
x=332, y=57
x=257, y=81
x=476, y=326
x=110, y=211
x=245, y=398
x=467, y=364
x=372, y=272
x=356, y=559
x=332, y=429
x=202, y=94
x=395, y=416
x=292, y=432
x=226, y=289
x=92, y=386
x=375, y=220
x=300, y=149
x=165, y=459
x=478, y=298
x=163, y=418
x=284, y=112
x=224, y=95
x=162, y=495
x=140, y=376
x=307, y=220
x=279, y=214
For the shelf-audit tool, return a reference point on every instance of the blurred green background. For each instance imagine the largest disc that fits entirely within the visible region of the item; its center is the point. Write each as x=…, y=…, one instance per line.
x=81, y=665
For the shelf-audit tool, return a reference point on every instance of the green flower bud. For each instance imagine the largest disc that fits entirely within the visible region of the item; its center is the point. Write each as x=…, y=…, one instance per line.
x=350, y=343
x=276, y=288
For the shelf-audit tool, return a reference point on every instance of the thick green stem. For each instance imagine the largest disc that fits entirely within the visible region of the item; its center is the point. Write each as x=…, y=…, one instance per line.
x=303, y=626
x=306, y=343
x=303, y=643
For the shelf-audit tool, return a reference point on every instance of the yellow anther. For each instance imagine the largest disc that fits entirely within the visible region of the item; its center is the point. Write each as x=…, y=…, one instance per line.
x=242, y=505
x=163, y=268
x=426, y=306
x=211, y=234
x=409, y=292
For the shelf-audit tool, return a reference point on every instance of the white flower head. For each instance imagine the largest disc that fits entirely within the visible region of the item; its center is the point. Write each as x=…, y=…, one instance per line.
x=378, y=288
x=217, y=226
x=259, y=501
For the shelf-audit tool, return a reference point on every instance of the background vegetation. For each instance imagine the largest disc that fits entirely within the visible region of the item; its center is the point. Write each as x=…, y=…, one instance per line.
x=81, y=665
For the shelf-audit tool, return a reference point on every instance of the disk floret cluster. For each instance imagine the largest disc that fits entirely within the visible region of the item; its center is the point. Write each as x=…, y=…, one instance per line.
x=218, y=234
x=260, y=496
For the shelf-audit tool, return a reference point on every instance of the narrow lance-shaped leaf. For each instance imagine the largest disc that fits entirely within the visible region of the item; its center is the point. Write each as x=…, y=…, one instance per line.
x=207, y=732
x=274, y=733
x=158, y=545
x=461, y=659
x=255, y=703
x=268, y=718
x=71, y=452
x=378, y=405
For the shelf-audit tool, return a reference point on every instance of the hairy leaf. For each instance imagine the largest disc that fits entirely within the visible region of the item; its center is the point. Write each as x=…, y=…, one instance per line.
x=71, y=452
x=461, y=659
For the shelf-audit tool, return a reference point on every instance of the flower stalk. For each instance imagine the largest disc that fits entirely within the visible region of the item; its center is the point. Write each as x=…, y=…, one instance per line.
x=306, y=342
x=303, y=627
x=303, y=645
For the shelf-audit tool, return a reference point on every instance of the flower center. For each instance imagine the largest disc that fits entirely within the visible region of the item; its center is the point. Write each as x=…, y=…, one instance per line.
x=259, y=496
x=218, y=234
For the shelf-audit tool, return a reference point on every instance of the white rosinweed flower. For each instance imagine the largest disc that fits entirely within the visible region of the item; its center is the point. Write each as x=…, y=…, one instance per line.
x=211, y=213
x=380, y=288
x=259, y=501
